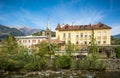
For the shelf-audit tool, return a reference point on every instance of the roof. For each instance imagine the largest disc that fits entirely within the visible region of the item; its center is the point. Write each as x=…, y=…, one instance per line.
x=57, y=41
x=30, y=37
x=58, y=26
x=82, y=27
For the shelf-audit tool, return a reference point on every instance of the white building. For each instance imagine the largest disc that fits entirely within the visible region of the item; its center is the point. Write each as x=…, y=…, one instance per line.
x=29, y=41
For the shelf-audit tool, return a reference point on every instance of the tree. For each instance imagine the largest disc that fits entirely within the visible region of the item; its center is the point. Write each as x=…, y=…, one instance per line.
x=115, y=41
x=94, y=48
x=8, y=52
x=117, y=50
x=43, y=49
x=9, y=45
x=70, y=48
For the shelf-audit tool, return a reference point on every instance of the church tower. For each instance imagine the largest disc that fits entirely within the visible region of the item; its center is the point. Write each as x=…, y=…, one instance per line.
x=48, y=30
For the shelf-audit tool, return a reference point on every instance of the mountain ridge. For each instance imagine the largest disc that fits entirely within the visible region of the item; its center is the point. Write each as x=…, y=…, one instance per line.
x=117, y=36
x=28, y=31
x=5, y=31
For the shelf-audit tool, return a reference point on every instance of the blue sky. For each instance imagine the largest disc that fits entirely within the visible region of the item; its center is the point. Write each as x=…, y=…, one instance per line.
x=34, y=13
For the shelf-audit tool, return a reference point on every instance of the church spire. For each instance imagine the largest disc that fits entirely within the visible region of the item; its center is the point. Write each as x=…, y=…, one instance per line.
x=48, y=24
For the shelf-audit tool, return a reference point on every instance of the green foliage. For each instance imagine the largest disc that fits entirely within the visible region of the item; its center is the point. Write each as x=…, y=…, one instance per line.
x=19, y=58
x=70, y=48
x=115, y=41
x=117, y=50
x=40, y=33
x=94, y=48
x=12, y=56
x=53, y=34
x=9, y=45
x=43, y=49
x=63, y=62
x=36, y=64
x=89, y=65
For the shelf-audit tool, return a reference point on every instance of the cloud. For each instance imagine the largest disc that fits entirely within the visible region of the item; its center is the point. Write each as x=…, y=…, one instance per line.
x=65, y=12
x=115, y=30
x=23, y=17
x=84, y=15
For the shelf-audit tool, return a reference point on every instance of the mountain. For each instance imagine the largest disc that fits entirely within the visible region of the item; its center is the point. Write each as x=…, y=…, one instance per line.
x=5, y=31
x=28, y=30
x=117, y=36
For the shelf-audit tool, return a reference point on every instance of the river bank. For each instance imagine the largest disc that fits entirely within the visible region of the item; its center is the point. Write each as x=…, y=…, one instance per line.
x=63, y=74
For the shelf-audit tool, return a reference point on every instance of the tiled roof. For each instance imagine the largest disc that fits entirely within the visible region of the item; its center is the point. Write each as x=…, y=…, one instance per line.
x=82, y=27
x=55, y=41
x=58, y=26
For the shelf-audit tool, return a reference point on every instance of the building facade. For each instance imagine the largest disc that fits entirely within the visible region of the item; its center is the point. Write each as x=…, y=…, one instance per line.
x=81, y=34
x=29, y=41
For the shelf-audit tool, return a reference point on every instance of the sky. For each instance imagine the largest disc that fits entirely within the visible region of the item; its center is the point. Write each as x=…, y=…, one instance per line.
x=35, y=13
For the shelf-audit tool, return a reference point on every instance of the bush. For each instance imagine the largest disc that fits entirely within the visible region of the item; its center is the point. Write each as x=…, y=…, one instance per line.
x=36, y=64
x=63, y=62
x=117, y=50
x=88, y=65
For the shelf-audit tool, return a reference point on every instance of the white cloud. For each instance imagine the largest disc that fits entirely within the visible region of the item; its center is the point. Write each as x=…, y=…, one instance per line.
x=115, y=30
x=63, y=12
x=82, y=15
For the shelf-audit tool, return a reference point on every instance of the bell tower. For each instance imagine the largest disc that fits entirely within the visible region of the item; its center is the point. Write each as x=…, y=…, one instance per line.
x=48, y=30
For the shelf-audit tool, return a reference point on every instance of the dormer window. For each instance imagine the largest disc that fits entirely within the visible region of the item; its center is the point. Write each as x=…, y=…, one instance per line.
x=101, y=26
x=66, y=27
x=81, y=27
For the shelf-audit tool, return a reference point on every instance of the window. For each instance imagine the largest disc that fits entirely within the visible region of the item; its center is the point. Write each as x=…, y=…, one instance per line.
x=47, y=33
x=29, y=41
x=77, y=42
x=64, y=35
x=81, y=34
x=24, y=41
x=99, y=33
x=89, y=42
x=104, y=42
x=85, y=42
x=89, y=35
x=38, y=41
x=104, y=33
x=98, y=42
x=85, y=35
x=34, y=41
x=77, y=36
x=81, y=42
x=69, y=35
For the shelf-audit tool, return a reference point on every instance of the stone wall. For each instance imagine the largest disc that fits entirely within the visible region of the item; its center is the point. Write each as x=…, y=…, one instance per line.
x=112, y=64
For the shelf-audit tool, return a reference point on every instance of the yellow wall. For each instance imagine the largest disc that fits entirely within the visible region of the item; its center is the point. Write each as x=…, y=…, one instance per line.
x=101, y=35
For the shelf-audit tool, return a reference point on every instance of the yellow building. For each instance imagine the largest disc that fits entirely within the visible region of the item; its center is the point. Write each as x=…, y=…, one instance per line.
x=81, y=34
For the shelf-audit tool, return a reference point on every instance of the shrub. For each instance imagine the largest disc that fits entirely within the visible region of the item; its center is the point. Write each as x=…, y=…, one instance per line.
x=63, y=62
x=117, y=50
